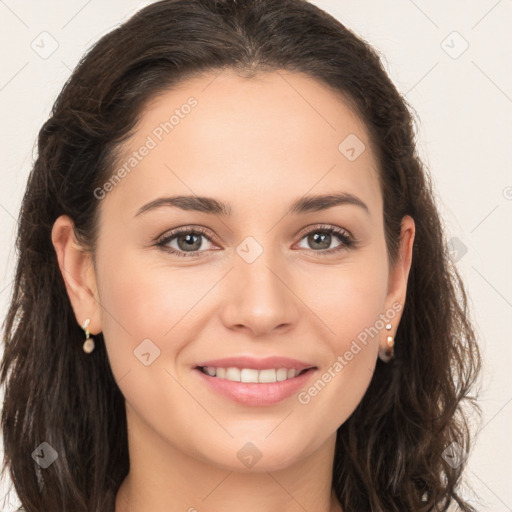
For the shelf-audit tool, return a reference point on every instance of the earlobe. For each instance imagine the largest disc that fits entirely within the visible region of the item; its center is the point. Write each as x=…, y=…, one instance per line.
x=77, y=270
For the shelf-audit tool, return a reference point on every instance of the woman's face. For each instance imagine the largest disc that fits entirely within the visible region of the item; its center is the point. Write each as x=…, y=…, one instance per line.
x=260, y=280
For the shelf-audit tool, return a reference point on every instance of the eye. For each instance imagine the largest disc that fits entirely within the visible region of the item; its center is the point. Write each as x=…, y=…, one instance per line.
x=321, y=238
x=188, y=241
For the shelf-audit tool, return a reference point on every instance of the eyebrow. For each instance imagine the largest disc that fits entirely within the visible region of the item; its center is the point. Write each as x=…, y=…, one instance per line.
x=311, y=203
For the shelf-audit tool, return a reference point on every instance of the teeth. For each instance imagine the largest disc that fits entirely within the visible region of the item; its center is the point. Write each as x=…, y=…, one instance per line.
x=251, y=375
x=233, y=374
x=269, y=375
x=282, y=374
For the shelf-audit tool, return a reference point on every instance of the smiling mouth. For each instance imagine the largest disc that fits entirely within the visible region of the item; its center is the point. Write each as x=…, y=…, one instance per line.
x=251, y=375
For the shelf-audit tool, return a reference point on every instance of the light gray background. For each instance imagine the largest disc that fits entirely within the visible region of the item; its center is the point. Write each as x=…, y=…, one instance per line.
x=463, y=101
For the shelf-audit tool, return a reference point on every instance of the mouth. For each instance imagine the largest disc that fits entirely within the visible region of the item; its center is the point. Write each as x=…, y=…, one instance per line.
x=255, y=387
x=253, y=375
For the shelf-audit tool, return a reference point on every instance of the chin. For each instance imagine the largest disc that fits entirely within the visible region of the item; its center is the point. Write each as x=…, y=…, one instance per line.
x=255, y=457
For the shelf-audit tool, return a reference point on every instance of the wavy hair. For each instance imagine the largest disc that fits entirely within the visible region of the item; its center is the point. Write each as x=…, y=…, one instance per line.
x=390, y=453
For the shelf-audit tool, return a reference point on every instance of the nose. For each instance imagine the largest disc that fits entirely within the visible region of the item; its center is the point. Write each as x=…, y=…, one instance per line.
x=259, y=298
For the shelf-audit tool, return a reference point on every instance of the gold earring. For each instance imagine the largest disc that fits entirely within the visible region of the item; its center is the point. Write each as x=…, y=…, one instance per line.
x=88, y=345
x=388, y=353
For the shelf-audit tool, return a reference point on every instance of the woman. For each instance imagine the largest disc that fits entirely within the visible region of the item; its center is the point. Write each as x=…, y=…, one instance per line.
x=233, y=285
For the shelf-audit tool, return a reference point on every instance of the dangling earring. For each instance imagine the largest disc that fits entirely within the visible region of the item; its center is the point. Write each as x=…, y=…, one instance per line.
x=88, y=345
x=388, y=353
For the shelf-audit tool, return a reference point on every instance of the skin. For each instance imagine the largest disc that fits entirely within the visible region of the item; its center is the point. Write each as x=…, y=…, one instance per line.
x=257, y=144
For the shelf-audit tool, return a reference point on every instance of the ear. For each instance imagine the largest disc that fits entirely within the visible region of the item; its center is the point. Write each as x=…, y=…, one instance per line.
x=76, y=266
x=397, y=282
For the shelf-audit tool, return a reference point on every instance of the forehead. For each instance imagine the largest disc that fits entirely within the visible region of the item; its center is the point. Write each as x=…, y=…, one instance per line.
x=274, y=135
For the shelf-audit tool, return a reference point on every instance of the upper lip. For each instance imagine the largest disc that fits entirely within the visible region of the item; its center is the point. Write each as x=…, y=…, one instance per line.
x=256, y=363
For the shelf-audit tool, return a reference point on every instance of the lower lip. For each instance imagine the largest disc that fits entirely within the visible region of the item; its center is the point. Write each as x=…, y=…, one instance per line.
x=255, y=394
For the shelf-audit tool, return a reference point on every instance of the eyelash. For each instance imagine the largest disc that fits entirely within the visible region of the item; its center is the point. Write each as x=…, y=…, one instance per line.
x=348, y=242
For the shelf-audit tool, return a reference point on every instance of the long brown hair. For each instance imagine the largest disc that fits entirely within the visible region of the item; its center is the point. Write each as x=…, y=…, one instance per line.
x=391, y=453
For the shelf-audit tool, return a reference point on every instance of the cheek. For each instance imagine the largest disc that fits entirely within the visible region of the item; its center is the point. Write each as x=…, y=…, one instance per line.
x=346, y=298
x=144, y=300
x=348, y=303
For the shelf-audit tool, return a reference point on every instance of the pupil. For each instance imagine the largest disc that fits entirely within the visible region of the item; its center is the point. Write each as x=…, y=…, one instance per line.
x=190, y=242
x=323, y=236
